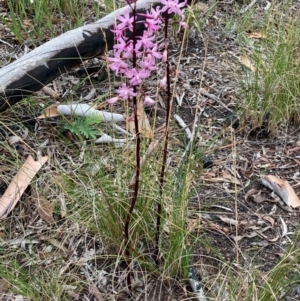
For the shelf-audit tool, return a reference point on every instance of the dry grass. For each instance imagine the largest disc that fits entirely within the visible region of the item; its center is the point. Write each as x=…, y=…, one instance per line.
x=86, y=186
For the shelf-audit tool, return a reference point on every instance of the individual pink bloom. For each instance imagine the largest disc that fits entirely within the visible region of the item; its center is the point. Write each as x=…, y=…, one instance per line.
x=125, y=92
x=126, y=49
x=126, y=21
x=112, y=100
x=121, y=46
x=117, y=64
x=153, y=53
x=153, y=19
x=118, y=32
x=148, y=64
x=155, y=13
x=172, y=6
x=145, y=41
x=128, y=52
x=182, y=23
x=163, y=82
x=148, y=101
x=152, y=25
x=136, y=77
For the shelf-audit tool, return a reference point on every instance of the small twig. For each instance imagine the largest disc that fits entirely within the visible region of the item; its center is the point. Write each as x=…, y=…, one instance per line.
x=120, y=129
x=108, y=139
x=193, y=134
x=90, y=95
x=226, y=2
x=184, y=126
x=6, y=43
x=235, y=143
x=243, y=10
x=215, y=98
x=50, y=92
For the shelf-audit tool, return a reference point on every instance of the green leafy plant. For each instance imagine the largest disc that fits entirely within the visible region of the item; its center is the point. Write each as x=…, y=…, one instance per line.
x=84, y=126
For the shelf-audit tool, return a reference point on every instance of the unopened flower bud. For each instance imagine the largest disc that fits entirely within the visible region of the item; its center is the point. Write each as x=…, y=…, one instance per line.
x=165, y=55
x=163, y=82
x=148, y=101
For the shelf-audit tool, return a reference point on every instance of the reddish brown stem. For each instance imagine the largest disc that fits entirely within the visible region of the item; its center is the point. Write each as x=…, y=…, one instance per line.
x=165, y=150
x=137, y=169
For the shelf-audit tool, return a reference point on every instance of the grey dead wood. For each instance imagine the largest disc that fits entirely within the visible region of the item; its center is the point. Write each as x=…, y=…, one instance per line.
x=41, y=66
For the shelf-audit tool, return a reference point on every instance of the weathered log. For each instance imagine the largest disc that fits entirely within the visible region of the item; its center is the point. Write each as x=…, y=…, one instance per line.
x=45, y=63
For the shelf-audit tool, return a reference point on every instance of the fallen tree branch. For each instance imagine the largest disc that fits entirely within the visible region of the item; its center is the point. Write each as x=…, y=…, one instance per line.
x=41, y=66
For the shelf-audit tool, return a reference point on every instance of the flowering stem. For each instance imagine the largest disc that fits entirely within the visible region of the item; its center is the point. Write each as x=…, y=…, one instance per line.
x=165, y=150
x=137, y=169
x=135, y=58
